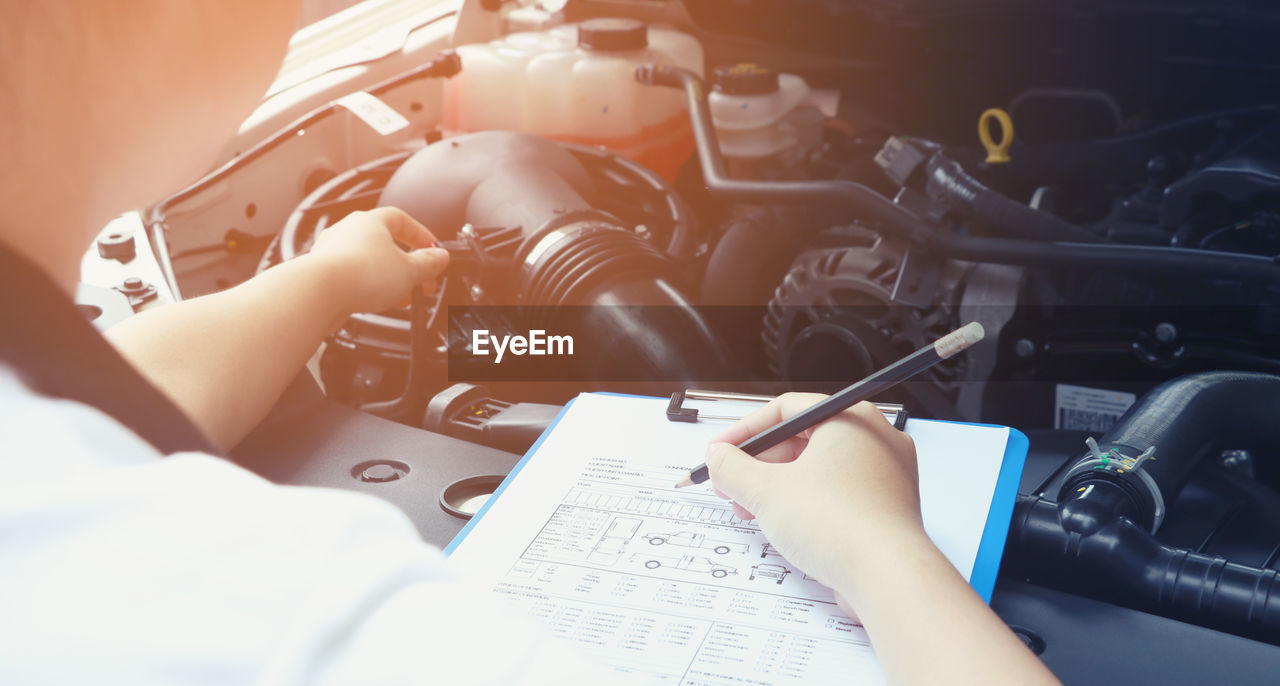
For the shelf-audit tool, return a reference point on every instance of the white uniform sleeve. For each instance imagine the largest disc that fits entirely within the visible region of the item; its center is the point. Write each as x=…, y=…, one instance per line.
x=118, y=566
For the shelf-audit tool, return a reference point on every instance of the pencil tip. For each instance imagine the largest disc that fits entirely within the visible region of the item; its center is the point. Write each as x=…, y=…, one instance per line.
x=684, y=482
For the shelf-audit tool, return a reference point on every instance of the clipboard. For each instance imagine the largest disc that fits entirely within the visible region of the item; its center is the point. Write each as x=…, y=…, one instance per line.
x=991, y=543
x=678, y=412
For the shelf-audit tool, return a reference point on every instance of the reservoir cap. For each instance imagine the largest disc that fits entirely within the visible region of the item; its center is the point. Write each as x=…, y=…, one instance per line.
x=746, y=78
x=613, y=34
x=464, y=497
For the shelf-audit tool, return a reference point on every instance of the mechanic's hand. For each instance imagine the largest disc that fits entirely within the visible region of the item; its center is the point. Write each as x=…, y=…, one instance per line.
x=360, y=252
x=829, y=499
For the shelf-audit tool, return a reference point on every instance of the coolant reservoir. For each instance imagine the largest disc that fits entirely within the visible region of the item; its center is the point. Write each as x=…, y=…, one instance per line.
x=577, y=83
x=757, y=111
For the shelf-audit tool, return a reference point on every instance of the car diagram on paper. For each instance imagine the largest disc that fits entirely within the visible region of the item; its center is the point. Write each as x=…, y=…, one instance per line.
x=769, y=571
x=658, y=581
x=614, y=540
x=690, y=563
x=689, y=539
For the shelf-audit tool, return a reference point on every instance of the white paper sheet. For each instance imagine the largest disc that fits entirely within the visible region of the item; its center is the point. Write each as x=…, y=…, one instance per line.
x=592, y=538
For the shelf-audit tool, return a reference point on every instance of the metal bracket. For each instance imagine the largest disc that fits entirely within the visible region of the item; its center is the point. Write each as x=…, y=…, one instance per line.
x=677, y=412
x=1116, y=462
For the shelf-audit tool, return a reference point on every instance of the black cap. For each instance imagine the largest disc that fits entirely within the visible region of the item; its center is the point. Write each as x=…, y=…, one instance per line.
x=746, y=78
x=613, y=34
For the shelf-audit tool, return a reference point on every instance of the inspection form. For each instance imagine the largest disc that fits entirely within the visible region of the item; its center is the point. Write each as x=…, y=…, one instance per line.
x=591, y=537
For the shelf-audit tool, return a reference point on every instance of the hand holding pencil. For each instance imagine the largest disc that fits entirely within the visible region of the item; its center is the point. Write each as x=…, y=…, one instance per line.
x=918, y=361
x=839, y=500
x=772, y=463
x=841, y=485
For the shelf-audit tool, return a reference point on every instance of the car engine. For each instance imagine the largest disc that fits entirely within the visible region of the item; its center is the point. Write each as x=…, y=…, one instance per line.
x=764, y=196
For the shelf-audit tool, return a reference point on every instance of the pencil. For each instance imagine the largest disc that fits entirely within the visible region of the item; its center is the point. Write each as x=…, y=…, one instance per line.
x=886, y=378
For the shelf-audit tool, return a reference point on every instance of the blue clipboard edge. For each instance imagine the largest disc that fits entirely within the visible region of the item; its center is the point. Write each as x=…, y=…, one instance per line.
x=510, y=477
x=986, y=564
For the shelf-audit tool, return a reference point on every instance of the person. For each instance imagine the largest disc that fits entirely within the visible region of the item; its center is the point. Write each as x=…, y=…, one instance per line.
x=131, y=553
x=842, y=502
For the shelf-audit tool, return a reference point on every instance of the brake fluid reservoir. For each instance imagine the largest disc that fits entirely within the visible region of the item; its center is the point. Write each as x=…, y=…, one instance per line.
x=577, y=83
x=757, y=112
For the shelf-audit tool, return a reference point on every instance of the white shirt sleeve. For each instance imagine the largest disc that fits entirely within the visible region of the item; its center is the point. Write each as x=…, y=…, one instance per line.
x=119, y=566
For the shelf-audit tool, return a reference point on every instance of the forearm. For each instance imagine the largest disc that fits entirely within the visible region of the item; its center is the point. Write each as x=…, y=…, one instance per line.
x=225, y=358
x=927, y=624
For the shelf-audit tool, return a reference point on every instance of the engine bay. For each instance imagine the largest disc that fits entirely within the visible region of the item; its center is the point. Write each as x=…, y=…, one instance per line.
x=769, y=196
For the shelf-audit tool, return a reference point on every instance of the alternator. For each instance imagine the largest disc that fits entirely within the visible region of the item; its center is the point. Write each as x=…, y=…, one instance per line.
x=833, y=321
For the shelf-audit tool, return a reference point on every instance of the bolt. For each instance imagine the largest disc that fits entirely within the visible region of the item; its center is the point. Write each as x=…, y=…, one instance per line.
x=1166, y=332
x=118, y=247
x=381, y=472
x=1024, y=348
x=133, y=283
x=1032, y=641
x=1240, y=461
x=1233, y=458
x=477, y=293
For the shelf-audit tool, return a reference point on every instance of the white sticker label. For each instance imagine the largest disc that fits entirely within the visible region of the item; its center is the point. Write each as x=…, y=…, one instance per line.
x=374, y=112
x=1080, y=408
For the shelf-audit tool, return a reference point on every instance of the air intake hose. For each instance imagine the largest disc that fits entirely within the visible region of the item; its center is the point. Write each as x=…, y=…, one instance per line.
x=564, y=252
x=1097, y=538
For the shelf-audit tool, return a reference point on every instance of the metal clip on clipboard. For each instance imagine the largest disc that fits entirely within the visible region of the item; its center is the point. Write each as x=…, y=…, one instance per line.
x=677, y=412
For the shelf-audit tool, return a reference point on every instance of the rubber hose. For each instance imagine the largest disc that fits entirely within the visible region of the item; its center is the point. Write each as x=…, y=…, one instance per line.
x=756, y=192
x=900, y=222
x=1182, y=263
x=749, y=261
x=1188, y=417
x=1121, y=563
x=950, y=183
x=1093, y=541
